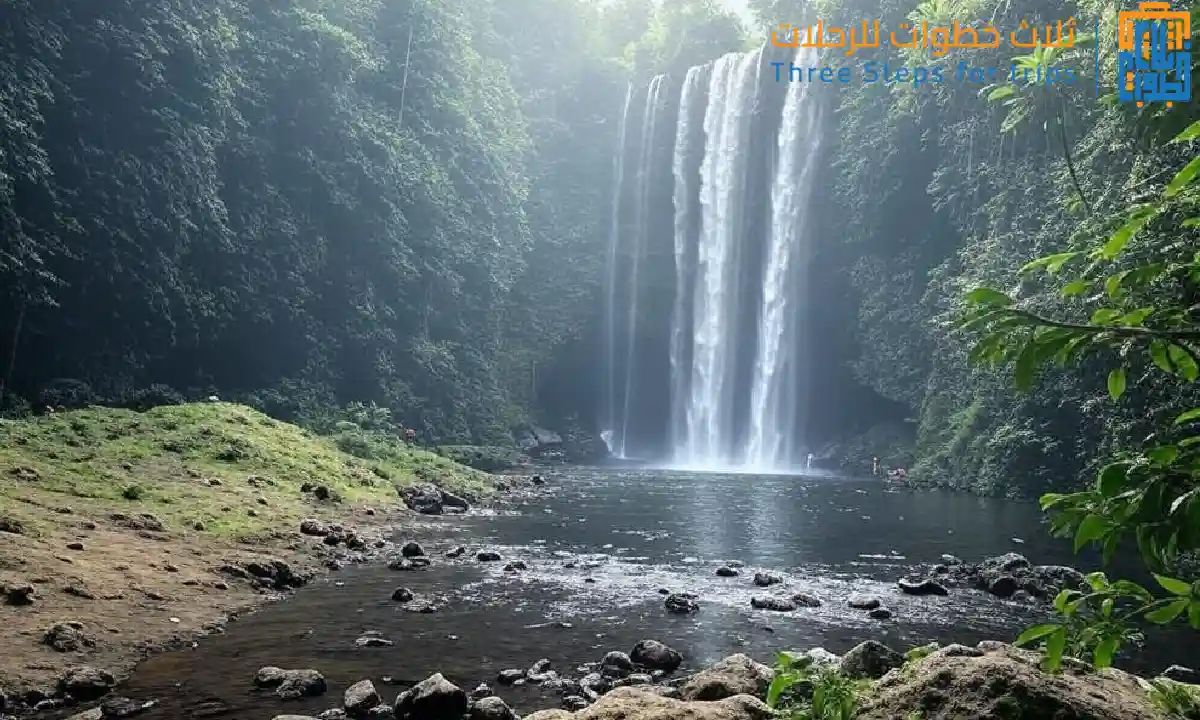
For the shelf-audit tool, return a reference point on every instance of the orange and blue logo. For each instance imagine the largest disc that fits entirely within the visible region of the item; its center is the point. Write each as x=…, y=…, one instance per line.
x=1154, y=60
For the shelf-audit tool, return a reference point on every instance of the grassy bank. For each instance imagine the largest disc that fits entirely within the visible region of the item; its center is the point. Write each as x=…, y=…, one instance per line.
x=213, y=465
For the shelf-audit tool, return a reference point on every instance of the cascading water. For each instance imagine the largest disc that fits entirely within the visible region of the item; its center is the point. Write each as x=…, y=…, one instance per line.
x=610, y=420
x=773, y=394
x=709, y=402
x=627, y=247
x=740, y=196
x=638, y=249
x=685, y=202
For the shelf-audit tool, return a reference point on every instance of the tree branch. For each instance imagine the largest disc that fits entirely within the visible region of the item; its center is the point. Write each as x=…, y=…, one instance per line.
x=1179, y=338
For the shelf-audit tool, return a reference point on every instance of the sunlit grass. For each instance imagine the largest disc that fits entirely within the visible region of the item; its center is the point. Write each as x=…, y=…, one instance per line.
x=226, y=468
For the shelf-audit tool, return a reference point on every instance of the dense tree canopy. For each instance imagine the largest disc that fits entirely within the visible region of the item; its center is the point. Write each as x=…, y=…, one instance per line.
x=310, y=203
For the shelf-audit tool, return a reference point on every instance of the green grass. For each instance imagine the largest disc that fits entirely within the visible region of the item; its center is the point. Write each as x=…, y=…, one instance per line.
x=164, y=461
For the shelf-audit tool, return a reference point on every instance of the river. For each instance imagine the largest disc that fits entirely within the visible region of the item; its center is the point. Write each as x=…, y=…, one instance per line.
x=600, y=545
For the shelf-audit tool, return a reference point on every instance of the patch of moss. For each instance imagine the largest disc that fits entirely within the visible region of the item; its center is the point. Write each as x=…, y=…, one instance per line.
x=224, y=467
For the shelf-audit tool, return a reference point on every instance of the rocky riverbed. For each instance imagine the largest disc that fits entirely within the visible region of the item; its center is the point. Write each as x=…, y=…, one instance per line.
x=417, y=622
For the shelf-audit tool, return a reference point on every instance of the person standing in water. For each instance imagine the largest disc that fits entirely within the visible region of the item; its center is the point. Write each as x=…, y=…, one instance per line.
x=808, y=465
x=875, y=466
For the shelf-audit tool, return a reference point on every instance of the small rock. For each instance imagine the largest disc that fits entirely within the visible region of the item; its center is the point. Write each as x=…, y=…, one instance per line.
x=774, y=604
x=616, y=664
x=726, y=571
x=481, y=691
x=870, y=660
x=806, y=600
x=574, y=703
x=412, y=549
x=113, y=708
x=434, y=698
x=360, y=697
x=681, y=603
x=68, y=637
x=402, y=594
x=373, y=641
x=735, y=675
x=20, y=593
x=457, y=552
x=85, y=683
x=766, y=579
x=313, y=527
x=301, y=683
x=863, y=602
x=880, y=613
x=11, y=525
x=655, y=655
x=75, y=546
x=515, y=565
x=491, y=708
x=924, y=587
x=508, y=677
x=487, y=556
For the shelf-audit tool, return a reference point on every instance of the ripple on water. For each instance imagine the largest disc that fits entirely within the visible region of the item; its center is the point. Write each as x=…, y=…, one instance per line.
x=675, y=529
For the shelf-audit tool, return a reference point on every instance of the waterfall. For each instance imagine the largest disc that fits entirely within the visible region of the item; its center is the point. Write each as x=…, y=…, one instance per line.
x=705, y=315
x=709, y=402
x=773, y=395
x=610, y=420
x=627, y=248
x=684, y=191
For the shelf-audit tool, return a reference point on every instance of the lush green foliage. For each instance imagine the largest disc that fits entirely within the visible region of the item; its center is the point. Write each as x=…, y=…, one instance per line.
x=803, y=690
x=308, y=203
x=1141, y=291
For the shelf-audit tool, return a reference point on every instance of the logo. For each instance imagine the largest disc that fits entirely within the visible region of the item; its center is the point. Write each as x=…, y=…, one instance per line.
x=1154, y=62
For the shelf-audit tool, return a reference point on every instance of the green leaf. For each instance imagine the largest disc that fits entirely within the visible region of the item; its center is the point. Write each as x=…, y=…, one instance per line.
x=1192, y=222
x=1164, y=455
x=1184, y=363
x=1051, y=263
x=1037, y=632
x=1063, y=597
x=1173, y=586
x=1112, y=284
x=1116, y=383
x=1025, y=366
x=975, y=321
x=1102, y=656
x=1166, y=614
x=1104, y=316
x=1137, y=220
x=1076, y=287
x=1001, y=92
x=1192, y=132
x=1194, y=615
x=1183, y=178
x=1049, y=500
x=988, y=296
x=1056, y=643
x=1189, y=416
x=1092, y=528
x=1111, y=479
x=1137, y=317
x=1158, y=353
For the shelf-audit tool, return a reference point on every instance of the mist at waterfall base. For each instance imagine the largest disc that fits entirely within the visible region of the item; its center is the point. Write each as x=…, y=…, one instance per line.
x=707, y=329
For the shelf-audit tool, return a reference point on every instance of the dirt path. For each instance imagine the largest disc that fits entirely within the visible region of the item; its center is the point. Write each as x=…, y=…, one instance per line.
x=106, y=591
